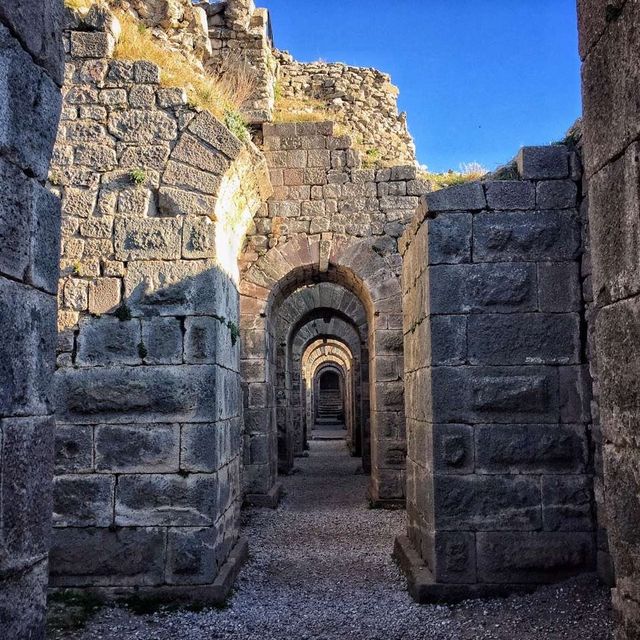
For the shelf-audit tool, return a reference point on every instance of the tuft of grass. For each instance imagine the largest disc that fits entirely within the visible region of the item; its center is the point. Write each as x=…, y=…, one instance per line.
x=237, y=125
x=469, y=172
x=226, y=90
x=372, y=158
x=138, y=176
x=302, y=109
x=142, y=350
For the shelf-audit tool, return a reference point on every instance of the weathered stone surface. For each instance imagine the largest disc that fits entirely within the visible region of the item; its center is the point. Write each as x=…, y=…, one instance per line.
x=464, y=197
x=137, y=448
x=566, y=503
x=162, y=341
x=206, y=127
x=495, y=394
x=556, y=194
x=453, y=448
x=104, y=295
x=487, y=503
x=27, y=468
x=107, y=340
x=73, y=448
x=92, y=45
x=142, y=126
x=169, y=500
x=482, y=287
x=539, y=235
x=532, y=557
x=175, y=202
x=450, y=238
x=559, y=287
x=191, y=557
x=512, y=195
x=199, y=238
x=542, y=163
x=531, y=448
x=150, y=239
x=183, y=176
x=455, y=559
x=30, y=105
x=83, y=500
x=448, y=340
x=531, y=338
x=204, y=447
x=28, y=326
x=199, y=155
x=90, y=556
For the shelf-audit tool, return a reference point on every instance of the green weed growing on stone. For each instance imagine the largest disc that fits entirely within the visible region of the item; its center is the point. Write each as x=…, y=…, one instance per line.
x=237, y=125
x=76, y=269
x=138, y=176
x=123, y=313
x=142, y=350
x=235, y=332
x=372, y=157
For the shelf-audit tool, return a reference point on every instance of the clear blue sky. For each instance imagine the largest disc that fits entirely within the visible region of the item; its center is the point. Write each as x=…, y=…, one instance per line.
x=478, y=78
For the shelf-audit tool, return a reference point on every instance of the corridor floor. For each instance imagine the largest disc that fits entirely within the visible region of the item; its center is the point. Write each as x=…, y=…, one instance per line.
x=321, y=569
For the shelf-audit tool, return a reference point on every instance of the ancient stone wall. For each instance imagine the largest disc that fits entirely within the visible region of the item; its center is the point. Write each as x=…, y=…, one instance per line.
x=241, y=38
x=610, y=50
x=362, y=98
x=499, y=487
x=328, y=220
x=156, y=199
x=31, y=70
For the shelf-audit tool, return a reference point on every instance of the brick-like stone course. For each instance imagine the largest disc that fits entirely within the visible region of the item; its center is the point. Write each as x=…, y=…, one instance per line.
x=499, y=453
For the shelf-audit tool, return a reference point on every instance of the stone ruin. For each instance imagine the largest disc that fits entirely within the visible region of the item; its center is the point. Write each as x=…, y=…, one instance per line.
x=205, y=283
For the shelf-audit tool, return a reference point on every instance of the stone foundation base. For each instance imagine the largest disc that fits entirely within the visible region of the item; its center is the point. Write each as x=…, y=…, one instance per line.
x=205, y=594
x=425, y=590
x=269, y=500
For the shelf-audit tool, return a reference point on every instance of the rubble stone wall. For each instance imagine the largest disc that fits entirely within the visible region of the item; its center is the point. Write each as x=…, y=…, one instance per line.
x=610, y=50
x=156, y=198
x=499, y=469
x=31, y=70
x=364, y=98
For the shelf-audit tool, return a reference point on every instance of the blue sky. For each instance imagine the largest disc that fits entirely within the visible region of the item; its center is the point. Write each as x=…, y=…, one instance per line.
x=478, y=78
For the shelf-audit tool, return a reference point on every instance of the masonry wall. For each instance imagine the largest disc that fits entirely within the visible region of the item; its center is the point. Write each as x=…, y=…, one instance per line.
x=362, y=98
x=31, y=69
x=156, y=199
x=499, y=469
x=610, y=51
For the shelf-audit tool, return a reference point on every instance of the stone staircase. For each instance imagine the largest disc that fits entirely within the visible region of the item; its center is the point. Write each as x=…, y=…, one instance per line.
x=330, y=410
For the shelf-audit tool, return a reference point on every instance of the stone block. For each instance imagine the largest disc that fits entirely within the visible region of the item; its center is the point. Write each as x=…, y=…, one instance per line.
x=25, y=491
x=162, y=341
x=145, y=72
x=213, y=132
x=147, y=394
x=73, y=448
x=557, y=194
x=167, y=500
x=103, y=557
x=142, y=126
x=199, y=238
x=455, y=557
x=464, y=197
x=180, y=202
x=198, y=154
x=171, y=97
x=176, y=288
x=148, y=239
x=501, y=288
x=531, y=338
x=503, y=395
x=515, y=236
x=23, y=603
x=184, y=176
x=575, y=394
x=449, y=239
x=559, y=287
x=104, y=295
x=531, y=449
x=567, y=503
x=191, y=555
x=448, y=340
x=535, y=557
x=543, y=163
x=511, y=195
x=30, y=105
x=107, y=340
x=453, y=448
x=76, y=294
x=142, y=97
x=153, y=156
x=137, y=448
x=85, y=44
x=487, y=503
x=615, y=231
x=203, y=447
x=83, y=500
x=28, y=329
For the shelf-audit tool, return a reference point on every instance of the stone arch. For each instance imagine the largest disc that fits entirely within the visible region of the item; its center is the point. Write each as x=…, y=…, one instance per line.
x=353, y=263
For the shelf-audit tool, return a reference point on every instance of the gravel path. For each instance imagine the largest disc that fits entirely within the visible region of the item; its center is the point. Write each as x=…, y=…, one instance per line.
x=321, y=569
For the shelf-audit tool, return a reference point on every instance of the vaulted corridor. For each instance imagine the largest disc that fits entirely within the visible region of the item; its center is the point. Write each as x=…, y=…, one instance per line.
x=321, y=568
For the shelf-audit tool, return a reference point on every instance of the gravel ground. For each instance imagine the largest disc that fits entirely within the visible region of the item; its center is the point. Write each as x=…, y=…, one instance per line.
x=321, y=569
